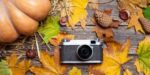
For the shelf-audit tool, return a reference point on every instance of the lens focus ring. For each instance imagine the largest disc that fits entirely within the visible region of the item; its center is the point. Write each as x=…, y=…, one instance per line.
x=84, y=52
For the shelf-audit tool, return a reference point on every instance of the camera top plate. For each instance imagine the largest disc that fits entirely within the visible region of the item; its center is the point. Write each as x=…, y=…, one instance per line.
x=81, y=42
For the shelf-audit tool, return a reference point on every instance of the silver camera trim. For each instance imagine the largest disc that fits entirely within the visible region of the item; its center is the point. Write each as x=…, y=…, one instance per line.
x=78, y=54
x=80, y=62
x=80, y=42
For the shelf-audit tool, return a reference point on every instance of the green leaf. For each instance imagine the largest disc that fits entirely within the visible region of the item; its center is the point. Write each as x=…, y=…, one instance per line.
x=4, y=69
x=147, y=13
x=143, y=60
x=50, y=28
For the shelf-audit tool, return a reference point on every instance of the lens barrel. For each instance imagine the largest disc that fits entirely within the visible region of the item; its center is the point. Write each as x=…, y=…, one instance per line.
x=84, y=52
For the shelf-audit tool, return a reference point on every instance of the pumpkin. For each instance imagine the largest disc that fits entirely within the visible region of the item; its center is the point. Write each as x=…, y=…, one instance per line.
x=21, y=17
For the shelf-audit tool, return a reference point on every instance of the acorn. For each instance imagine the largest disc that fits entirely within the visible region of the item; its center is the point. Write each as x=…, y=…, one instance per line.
x=124, y=14
x=145, y=24
x=102, y=19
x=63, y=21
x=31, y=54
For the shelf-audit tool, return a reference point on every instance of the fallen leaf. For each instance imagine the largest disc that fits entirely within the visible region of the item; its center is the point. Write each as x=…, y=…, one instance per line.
x=112, y=44
x=127, y=5
x=103, y=33
x=50, y=28
x=127, y=72
x=140, y=3
x=146, y=13
x=50, y=64
x=41, y=71
x=96, y=72
x=76, y=12
x=57, y=39
x=75, y=71
x=131, y=5
x=134, y=21
x=113, y=61
x=18, y=68
x=143, y=60
x=4, y=69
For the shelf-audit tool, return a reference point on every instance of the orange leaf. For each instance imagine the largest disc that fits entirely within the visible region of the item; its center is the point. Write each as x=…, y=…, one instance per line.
x=134, y=21
x=103, y=33
x=50, y=64
x=57, y=39
x=18, y=68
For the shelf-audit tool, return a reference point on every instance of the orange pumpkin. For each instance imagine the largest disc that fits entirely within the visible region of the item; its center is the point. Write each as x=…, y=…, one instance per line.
x=20, y=17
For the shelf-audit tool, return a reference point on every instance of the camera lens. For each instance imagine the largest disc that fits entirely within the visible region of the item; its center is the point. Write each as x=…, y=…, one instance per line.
x=84, y=52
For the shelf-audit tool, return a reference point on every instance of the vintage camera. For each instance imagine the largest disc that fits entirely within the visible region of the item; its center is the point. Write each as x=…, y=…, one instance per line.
x=81, y=51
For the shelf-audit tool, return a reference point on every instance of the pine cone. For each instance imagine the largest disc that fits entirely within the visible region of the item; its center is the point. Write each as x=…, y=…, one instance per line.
x=145, y=24
x=102, y=19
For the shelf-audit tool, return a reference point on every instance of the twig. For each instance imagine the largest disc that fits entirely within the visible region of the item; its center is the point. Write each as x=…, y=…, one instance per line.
x=37, y=45
x=101, y=2
x=45, y=42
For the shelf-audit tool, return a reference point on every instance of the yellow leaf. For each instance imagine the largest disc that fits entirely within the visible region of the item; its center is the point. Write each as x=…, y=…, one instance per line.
x=76, y=12
x=142, y=62
x=113, y=61
x=50, y=64
x=18, y=68
x=75, y=71
x=127, y=72
x=134, y=22
x=41, y=71
x=59, y=67
x=57, y=39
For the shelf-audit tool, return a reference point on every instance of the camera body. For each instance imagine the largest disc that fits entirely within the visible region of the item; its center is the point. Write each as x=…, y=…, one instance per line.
x=81, y=51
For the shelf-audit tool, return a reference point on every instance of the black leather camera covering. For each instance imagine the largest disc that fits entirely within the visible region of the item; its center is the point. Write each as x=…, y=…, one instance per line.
x=68, y=53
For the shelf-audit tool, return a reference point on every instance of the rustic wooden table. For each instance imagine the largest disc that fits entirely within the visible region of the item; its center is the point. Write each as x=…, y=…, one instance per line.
x=121, y=34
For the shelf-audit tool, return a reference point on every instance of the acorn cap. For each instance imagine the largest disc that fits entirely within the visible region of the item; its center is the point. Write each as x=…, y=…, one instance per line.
x=103, y=19
x=145, y=24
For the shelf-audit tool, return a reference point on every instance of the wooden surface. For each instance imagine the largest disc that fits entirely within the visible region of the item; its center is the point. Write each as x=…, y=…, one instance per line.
x=120, y=34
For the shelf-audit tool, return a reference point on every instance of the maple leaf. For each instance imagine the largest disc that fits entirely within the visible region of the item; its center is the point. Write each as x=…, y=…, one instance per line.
x=50, y=64
x=75, y=71
x=57, y=39
x=50, y=28
x=143, y=61
x=95, y=72
x=103, y=33
x=134, y=22
x=76, y=12
x=113, y=61
x=140, y=3
x=18, y=68
x=126, y=4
